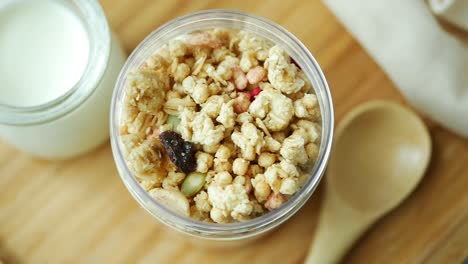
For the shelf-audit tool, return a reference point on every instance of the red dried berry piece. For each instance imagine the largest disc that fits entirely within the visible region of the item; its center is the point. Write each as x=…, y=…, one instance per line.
x=293, y=61
x=181, y=152
x=254, y=93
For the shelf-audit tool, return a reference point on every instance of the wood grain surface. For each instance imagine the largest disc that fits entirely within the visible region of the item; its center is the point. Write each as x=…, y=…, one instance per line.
x=78, y=211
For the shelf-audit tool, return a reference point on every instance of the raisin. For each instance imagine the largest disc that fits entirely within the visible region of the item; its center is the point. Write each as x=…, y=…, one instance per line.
x=181, y=152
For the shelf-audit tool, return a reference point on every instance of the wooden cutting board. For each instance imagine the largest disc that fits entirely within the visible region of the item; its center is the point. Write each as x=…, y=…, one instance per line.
x=78, y=211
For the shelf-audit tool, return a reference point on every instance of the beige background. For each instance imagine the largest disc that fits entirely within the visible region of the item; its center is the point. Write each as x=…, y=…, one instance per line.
x=78, y=211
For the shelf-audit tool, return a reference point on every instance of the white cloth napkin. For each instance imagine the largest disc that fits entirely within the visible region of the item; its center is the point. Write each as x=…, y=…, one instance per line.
x=428, y=64
x=454, y=11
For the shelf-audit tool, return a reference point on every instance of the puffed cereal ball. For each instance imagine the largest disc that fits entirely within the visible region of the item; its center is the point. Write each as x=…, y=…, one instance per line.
x=266, y=159
x=204, y=161
x=223, y=153
x=223, y=178
x=240, y=166
x=261, y=188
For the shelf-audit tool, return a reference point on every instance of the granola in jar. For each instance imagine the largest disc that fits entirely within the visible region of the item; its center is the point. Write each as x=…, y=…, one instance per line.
x=219, y=125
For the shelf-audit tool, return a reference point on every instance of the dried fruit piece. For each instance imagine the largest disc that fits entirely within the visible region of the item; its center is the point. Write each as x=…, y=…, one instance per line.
x=174, y=122
x=239, y=78
x=274, y=201
x=181, y=152
x=172, y=199
x=254, y=93
x=193, y=183
x=256, y=74
x=204, y=39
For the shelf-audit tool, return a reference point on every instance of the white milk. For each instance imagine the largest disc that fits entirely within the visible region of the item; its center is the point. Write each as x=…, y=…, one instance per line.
x=45, y=48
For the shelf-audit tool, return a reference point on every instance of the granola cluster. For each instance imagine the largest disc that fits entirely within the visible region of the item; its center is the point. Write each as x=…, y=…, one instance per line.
x=247, y=109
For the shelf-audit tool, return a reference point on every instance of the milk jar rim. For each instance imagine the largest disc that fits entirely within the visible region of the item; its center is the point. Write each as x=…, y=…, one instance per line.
x=95, y=23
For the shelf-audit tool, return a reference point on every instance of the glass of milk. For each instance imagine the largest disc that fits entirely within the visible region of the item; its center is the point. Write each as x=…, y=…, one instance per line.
x=58, y=66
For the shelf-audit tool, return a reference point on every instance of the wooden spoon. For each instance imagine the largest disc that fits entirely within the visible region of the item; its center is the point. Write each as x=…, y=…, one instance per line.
x=380, y=154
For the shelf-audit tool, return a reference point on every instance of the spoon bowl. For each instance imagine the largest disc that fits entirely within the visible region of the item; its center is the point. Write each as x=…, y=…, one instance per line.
x=380, y=154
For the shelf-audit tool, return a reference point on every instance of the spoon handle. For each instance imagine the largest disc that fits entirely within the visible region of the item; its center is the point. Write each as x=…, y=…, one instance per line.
x=338, y=227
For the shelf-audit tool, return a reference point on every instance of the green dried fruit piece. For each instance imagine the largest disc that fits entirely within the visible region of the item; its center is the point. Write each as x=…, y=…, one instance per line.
x=193, y=183
x=174, y=121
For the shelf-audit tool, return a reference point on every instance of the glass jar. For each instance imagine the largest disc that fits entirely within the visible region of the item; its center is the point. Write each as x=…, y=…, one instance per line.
x=264, y=28
x=76, y=121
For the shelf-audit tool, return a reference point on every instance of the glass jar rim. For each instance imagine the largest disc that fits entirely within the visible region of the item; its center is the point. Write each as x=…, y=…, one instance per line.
x=307, y=62
x=95, y=22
